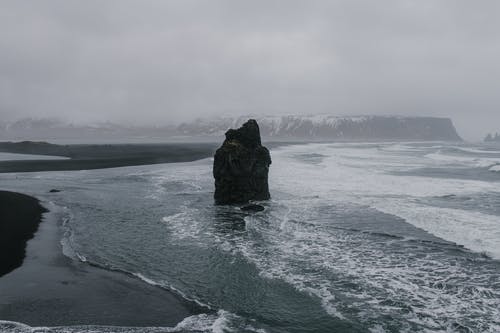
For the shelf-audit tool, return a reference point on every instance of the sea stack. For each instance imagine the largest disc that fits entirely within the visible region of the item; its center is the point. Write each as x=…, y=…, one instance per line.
x=241, y=167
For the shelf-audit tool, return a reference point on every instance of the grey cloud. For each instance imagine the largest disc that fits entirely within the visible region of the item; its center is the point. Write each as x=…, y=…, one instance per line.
x=163, y=61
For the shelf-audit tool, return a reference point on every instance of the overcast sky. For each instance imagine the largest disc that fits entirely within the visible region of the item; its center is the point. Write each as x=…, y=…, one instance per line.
x=161, y=61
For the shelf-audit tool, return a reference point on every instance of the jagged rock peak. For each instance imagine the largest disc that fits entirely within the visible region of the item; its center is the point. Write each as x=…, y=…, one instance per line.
x=248, y=134
x=241, y=166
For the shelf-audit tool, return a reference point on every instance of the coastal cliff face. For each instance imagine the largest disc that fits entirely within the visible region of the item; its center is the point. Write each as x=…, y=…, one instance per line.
x=290, y=127
x=241, y=166
x=326, y=127
x=492, y=138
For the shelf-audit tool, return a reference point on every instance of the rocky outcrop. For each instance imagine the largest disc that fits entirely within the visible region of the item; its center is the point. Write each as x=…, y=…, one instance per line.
x=252, y=208
x=241, y=166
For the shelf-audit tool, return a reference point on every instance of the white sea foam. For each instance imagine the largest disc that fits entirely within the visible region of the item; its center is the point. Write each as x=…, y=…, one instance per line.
x=478, y=162
x=399, y=147
x=220, y=322
x=348, y=174
x=478, y=151
x=146, y=279
x=495, y=168
x=363, y=176
x=344, y=176
x=170, y=287
x=67, y=241
x=204, y=323
x=318, y=261
x=166, y=176
x=476, y=231
x=185, y=224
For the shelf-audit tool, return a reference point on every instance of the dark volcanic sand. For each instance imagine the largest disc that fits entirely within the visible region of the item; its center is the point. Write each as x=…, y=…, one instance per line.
x=20, y=216
x=86, y=157
x=50, y=289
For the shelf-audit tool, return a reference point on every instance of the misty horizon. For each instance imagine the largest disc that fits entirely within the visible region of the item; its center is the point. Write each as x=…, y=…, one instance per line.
x=169, y=62
x=15, y=129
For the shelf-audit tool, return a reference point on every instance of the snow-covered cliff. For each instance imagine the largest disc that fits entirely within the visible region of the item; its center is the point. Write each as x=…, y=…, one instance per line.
x=327, y=127
x=290, y=127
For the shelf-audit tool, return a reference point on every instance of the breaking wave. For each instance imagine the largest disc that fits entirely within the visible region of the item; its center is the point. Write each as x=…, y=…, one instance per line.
x=220, y=322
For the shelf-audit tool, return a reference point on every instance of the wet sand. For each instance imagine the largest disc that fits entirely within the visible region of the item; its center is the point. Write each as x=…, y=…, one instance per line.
x=50, y=289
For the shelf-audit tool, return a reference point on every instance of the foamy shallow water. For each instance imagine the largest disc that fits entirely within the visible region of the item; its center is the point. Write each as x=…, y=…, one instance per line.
x=203, y=323
x=495, y=168
x=357, y=238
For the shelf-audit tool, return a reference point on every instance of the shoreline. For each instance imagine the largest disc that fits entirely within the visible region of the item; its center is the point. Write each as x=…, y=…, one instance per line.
x=102, y=156
x=88, y=157
x=51, y=289
x=20, y=217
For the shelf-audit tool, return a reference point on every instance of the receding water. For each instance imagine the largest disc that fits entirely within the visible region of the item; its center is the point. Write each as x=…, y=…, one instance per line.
x=357, y=238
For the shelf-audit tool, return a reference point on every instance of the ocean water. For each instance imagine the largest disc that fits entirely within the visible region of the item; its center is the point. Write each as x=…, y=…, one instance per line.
x=377, y=237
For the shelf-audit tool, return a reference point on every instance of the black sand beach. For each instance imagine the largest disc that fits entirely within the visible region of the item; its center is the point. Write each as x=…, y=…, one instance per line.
x=100, y=156
x=50, y=289
x=87, y=157
x=20, y=216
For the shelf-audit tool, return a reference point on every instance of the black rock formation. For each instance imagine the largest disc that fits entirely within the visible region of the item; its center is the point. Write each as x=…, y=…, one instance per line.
x=241, y=166
x=252, y=208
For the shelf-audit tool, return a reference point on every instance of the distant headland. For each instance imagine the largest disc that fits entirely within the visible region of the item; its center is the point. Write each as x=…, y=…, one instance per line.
x=273, y=128
x=492, y=138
